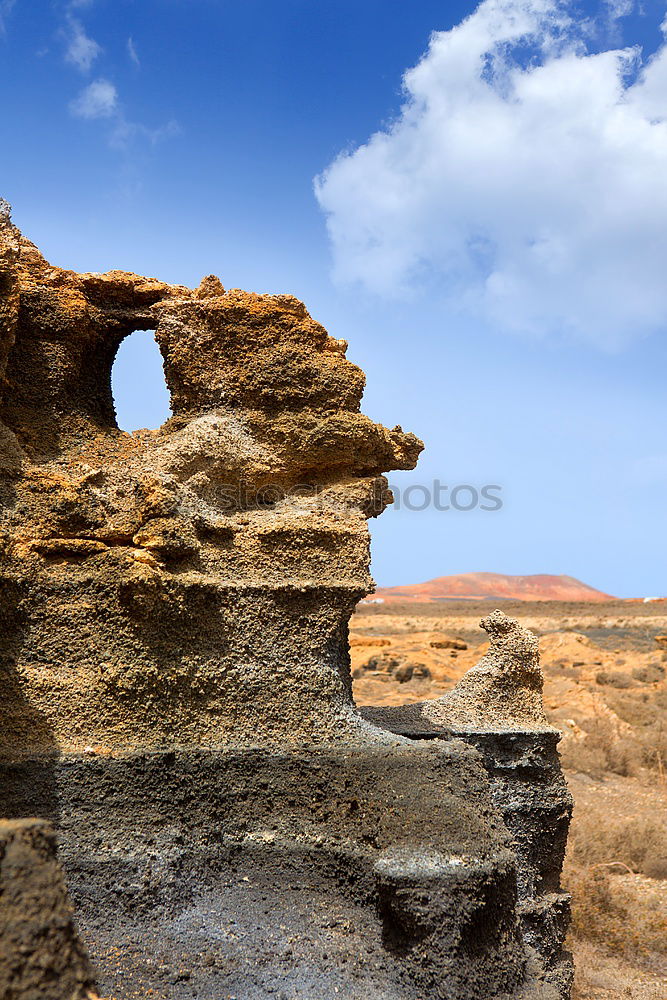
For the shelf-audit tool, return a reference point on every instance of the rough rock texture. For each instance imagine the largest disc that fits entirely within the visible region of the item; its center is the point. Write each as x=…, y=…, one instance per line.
x=41, y=957
x=497, y=708
x=502, y=692
x=175, y=689
x=190, y=584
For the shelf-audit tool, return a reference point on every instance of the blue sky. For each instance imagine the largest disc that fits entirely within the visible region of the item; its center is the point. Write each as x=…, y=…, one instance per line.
x=494, y=256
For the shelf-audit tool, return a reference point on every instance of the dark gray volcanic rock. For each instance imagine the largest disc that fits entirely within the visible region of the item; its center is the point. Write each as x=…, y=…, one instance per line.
x=497, y=708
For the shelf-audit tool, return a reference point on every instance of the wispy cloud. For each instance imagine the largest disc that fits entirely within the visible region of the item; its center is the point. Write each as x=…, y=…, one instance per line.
x=522, y=183
x=98, y=100
x=82, y=51
x=132, y=52
x=124, y=132
x=5, y=10
x=619, y=8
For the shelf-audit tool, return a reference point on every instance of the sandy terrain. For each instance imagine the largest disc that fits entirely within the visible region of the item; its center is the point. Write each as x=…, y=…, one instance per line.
x=605, y=672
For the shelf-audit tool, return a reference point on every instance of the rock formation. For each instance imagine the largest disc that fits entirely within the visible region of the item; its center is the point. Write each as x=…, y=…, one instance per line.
x=175, y=690
x=497, y=708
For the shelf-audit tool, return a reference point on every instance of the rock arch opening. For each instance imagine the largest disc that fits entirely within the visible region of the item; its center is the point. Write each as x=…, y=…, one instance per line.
x=140, y=394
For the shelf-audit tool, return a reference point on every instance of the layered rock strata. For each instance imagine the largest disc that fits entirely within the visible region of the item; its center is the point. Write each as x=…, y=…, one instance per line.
x=497, y=708
x=175, y=690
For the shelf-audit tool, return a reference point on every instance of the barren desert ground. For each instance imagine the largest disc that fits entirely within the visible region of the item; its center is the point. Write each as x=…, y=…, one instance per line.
x=605, y=687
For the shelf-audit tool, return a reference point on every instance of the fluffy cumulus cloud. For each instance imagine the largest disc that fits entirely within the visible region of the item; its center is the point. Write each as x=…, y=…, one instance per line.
x=523, y=181
x=98, y=100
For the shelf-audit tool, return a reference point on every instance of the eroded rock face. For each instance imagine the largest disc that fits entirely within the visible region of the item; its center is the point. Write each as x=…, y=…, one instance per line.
x=175, y=690
x=497, y=708
x=190, y=584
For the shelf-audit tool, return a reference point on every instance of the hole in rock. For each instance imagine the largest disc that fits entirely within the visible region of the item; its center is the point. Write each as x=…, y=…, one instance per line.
x=140, y=393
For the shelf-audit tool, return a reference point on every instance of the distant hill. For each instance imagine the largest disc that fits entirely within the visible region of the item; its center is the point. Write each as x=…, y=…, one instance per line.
x=492, y=587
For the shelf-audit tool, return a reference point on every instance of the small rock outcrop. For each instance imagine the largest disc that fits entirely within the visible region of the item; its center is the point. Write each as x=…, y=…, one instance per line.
x=502, y=692
x=497, y=708
x=175, y=691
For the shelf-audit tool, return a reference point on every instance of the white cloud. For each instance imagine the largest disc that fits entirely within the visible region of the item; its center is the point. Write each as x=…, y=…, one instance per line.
x=524, y=179
x=124, y=132
x=82, y=51
x=98, y=100
x=619, y=8
x=132, y=52
x=5, y=10
x=169, y=130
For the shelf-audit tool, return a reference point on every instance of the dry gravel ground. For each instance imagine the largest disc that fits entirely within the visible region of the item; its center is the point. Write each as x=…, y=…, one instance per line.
x=605, y=671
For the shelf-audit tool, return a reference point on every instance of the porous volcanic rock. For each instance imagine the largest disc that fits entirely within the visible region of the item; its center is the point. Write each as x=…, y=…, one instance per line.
x=190, y=584
x=175, y=691
x=41, y=956
x=497, y=708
